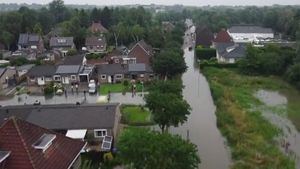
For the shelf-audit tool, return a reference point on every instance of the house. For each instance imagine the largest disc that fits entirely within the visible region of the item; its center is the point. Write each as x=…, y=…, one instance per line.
x=96, y=44
x=98, y=28
x=22, y=70
x=230, y=52
x=111, y=73
x=167, y=26
x=26, y=145
x=222, y=37
x=142, y=52
x=7, y=77
x=41, y=75
x=67, y=74
x=62, y=44
x=250, y=33
x=140, y=71
x=31, y=42
x=204, y=36
x=95, y=122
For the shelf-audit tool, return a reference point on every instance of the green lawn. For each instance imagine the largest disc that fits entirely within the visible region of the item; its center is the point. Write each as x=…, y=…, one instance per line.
x=250, y=136
x=119, y=88
x=135, y=115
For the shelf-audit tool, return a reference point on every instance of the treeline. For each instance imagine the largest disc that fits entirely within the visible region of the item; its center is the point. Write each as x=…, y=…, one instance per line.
x=282, y=19
x=125, y=25
x=272, y=60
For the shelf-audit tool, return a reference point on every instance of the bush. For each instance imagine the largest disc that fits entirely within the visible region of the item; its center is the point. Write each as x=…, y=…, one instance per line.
x=94, y=56
x=72, y=52
x=49, y=89
x=205, y=53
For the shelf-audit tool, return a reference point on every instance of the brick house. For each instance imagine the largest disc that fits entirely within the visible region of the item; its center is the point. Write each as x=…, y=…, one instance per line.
x=30, y=42
x=24, y=145
x=96, y=44
x=142, y=52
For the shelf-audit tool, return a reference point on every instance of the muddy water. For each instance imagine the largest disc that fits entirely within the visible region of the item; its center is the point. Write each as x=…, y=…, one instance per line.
x=201, y=126
x=275, y=110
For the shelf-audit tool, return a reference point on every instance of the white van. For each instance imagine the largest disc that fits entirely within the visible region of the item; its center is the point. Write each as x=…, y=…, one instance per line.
x=92, y=87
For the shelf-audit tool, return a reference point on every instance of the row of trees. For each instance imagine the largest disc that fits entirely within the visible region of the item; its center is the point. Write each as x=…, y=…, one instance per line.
x=125, y=25
x=272, y=60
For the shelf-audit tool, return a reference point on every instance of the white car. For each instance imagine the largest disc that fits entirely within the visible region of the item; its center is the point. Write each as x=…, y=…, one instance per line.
x=92, y=87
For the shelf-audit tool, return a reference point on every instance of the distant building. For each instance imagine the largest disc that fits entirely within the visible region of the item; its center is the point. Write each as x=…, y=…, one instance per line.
x=230, y=52
x=98, y=28
x=7, y=77
x=62, y=44
x=222, y=37
x=30, y=42
x=249, y=33
x=26, y=145
x=41, y=75
x=167, y=26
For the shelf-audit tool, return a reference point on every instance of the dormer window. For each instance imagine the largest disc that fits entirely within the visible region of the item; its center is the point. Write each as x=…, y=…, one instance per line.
x=4, y=155
x=61, y=40
x=44, y=142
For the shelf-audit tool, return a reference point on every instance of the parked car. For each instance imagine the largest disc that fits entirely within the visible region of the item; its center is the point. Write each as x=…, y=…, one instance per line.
x=92, y=87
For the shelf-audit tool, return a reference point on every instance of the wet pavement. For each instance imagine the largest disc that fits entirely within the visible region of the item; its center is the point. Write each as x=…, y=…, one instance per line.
x=72, y=99
x=201, y=128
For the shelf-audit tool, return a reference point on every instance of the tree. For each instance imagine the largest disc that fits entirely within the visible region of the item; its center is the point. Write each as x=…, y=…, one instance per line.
x=106, y=17
x=57, y=9
x=38, y=29
x=118, y=30
x=144, y=149
x=167, y=109
x=137, y=32
x=169, y=86
x=7, y=38
x=293, y=75
x=169, y=64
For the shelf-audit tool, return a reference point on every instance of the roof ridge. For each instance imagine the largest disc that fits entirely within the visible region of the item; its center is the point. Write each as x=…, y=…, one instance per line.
x=22, y=140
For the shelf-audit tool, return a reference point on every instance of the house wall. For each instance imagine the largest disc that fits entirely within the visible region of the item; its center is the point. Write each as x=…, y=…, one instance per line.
x=249, y=37
x=95, y=49
x=8, y=74
x=68, y=79
x=32, y=81
x=108, y=79
x=140, y=54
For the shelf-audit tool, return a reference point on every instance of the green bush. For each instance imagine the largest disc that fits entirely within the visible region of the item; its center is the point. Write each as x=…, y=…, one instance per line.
x=49, y=89
x=72, y=52
x=205, y=53
x=94, y=56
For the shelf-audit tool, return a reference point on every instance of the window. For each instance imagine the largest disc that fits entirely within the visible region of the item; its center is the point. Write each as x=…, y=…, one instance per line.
x=57, y=78
x=142, y=75
x=103, y=76
x=100, y=133
x=118, y=76
x=117, y=61
x=151, y=75
x=73, y=77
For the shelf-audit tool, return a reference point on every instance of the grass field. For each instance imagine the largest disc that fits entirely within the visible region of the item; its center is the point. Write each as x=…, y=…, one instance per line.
x=135, y=115
x=119, y=88
x=249, y=135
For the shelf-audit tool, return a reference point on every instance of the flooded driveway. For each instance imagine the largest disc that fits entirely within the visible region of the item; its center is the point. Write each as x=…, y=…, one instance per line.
x=72, y=99
x=201, y=126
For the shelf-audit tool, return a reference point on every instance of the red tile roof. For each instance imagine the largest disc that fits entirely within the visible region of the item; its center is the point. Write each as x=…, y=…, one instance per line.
x=18, y=136
x=98, y=28
x=223, y=37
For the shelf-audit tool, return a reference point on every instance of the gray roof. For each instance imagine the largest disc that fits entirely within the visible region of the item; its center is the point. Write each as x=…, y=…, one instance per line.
x=139, y=67
x=238, y=52
x=74, y=60
x=64, y=116
x=2, y=71
x=28, y=39
x=68, y=69
x=61, y=42
x=249, y=29
x=42, y=70
x=25, y=67
x=111, y=69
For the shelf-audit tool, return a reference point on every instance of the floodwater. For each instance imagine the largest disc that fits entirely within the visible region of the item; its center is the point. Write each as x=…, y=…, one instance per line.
x=72, y=99
x=201, y=128
x=275, y=110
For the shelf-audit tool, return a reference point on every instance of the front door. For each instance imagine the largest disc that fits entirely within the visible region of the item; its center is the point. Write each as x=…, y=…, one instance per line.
x=65, y=80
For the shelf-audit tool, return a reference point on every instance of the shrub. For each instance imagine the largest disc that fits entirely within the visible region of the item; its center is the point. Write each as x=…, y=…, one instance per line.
x=72, y=52
x=205, y=53
x=49, y=89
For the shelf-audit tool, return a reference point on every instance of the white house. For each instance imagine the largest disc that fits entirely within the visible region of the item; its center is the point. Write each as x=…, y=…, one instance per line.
x=249, y=34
